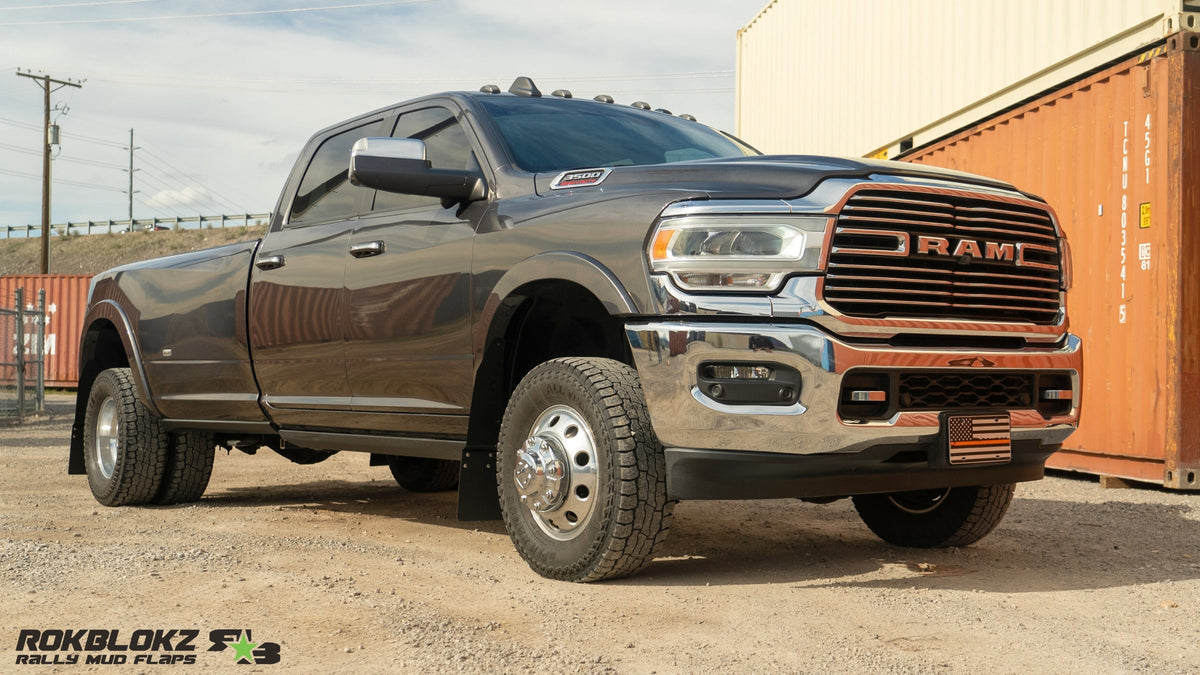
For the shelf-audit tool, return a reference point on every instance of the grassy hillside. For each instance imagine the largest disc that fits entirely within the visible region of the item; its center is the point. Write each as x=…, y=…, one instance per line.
x=89, y=254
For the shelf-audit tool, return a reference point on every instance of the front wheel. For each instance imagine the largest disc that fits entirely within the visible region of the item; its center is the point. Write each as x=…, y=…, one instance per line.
x=125, y=447
x=581, y=475
x=936, y=518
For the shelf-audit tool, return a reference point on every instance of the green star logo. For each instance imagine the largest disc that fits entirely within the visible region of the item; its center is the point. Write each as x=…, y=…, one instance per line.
x=243, y=649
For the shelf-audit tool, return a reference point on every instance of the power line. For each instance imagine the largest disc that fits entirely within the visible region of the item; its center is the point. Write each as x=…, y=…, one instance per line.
x=156, y=209
x=256, y=81
x=59, y=181
x=197, y=181
x=261, y=12
x=92, y=139
x=80, y=4
x=169, y=183
x=73, y=160
x=23, y=125
x=199, y=197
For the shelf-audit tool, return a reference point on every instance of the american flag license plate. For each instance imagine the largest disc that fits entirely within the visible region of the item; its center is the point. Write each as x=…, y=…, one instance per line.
x=979, y=439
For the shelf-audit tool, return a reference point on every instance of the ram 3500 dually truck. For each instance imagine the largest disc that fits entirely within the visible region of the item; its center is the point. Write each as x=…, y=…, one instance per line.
x=579, y=313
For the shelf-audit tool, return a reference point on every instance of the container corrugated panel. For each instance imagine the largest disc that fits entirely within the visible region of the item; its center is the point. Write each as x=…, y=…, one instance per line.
x=66, y=306
x=855, y=77
x=1117, y=154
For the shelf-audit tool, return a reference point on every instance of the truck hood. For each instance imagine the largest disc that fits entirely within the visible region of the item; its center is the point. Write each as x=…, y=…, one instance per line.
x=761, y=177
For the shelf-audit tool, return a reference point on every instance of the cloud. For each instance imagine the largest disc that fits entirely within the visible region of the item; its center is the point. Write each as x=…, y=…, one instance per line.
x=226, y=104
x=190, y=199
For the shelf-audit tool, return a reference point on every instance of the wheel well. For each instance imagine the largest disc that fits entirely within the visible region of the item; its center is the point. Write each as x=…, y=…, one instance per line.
x=100, y=349
x=538, y=322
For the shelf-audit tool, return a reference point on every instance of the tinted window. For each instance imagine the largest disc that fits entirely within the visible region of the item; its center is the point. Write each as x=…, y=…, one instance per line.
x=556, y=135
x=325, y=191
x=446, y=147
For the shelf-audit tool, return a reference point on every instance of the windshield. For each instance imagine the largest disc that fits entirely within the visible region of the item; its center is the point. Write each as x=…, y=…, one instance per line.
x=556, y=135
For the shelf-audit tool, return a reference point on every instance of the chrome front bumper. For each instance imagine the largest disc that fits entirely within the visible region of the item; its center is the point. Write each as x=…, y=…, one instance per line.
x=668, y=356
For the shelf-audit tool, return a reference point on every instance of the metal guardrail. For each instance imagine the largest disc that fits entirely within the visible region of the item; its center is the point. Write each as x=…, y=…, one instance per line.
x=22, y=358
x=137, y=224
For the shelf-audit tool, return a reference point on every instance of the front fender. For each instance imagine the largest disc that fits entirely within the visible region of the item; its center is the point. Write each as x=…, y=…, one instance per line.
x=557, y=265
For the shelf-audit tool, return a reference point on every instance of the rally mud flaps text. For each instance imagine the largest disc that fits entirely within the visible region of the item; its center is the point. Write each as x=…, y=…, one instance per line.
x=98, y=646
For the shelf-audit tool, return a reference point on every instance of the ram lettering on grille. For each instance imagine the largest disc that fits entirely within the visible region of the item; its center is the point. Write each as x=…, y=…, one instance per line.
x=905, y=254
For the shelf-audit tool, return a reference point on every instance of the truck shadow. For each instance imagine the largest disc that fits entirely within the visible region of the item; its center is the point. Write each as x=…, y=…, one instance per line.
x=1042, y=545
x=381, y=498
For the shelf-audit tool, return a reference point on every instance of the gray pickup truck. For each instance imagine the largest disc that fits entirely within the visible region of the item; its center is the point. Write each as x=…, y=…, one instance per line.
x=579, y=313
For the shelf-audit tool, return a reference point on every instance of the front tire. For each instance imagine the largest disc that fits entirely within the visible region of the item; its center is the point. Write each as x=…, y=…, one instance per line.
x=125, y=448
x=936, y=518
x=581, y=475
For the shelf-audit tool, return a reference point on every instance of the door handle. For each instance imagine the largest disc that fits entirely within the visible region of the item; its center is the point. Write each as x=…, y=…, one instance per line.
x=366, y=249
x=269, y=262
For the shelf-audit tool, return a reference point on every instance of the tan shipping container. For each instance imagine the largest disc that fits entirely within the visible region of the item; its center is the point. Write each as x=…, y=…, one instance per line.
x=1117, y=154
x=66, y=306
x=853, y=77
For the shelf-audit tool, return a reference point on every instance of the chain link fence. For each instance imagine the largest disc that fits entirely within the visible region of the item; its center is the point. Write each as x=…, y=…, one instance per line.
x=22, y=357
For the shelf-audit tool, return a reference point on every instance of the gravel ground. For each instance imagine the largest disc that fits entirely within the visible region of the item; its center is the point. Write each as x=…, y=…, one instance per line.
x=344, y=571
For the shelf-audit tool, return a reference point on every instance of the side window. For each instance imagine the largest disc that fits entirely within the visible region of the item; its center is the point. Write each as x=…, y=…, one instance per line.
x=446, y=147
x=325, y=191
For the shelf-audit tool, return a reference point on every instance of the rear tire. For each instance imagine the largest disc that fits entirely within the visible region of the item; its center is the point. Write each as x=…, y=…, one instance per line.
x=124, y=446
x=581, y=475
x=936, y=518
x=189, y=466
x=421, y=474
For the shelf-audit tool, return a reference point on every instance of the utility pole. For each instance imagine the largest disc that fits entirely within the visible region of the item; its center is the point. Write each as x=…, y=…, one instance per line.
x=44, y=81
x=131, y=170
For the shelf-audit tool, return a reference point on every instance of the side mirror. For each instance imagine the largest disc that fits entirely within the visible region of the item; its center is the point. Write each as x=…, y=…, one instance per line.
x=399, y=165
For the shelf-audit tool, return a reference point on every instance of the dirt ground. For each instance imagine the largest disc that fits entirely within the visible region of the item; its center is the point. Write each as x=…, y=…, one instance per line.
x=345, y=572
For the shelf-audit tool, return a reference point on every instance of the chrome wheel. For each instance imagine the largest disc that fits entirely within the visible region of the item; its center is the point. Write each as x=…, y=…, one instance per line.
x=125, y=450
x=939, y=517
x=556, y=472
x=919, y=501
x=108, y=430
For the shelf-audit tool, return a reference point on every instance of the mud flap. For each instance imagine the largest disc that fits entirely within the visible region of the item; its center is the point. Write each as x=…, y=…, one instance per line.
x=477, y=496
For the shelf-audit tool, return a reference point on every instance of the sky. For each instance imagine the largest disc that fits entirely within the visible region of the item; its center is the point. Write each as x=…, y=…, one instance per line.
x=222, y=94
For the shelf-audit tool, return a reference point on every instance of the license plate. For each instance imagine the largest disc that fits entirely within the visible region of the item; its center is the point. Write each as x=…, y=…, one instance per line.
x=979, y=439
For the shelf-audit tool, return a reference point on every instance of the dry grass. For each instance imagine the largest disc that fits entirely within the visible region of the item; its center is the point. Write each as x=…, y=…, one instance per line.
x=89, y=254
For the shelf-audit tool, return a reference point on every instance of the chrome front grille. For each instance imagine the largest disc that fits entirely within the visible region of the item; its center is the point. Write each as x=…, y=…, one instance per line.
x=909, y=254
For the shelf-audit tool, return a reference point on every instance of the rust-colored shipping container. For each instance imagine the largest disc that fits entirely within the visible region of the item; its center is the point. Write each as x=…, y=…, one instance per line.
x=66, y=305
x=1117, y=154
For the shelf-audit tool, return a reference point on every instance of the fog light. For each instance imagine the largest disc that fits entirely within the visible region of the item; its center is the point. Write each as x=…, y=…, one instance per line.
x=749, y=383
x=730, y=371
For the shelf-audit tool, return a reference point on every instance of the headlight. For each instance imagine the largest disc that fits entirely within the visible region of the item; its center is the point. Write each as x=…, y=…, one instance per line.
x=748, y=253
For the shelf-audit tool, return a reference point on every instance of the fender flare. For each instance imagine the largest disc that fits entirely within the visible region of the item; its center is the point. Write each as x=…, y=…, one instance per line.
x=116, y=315
x=556, y=265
